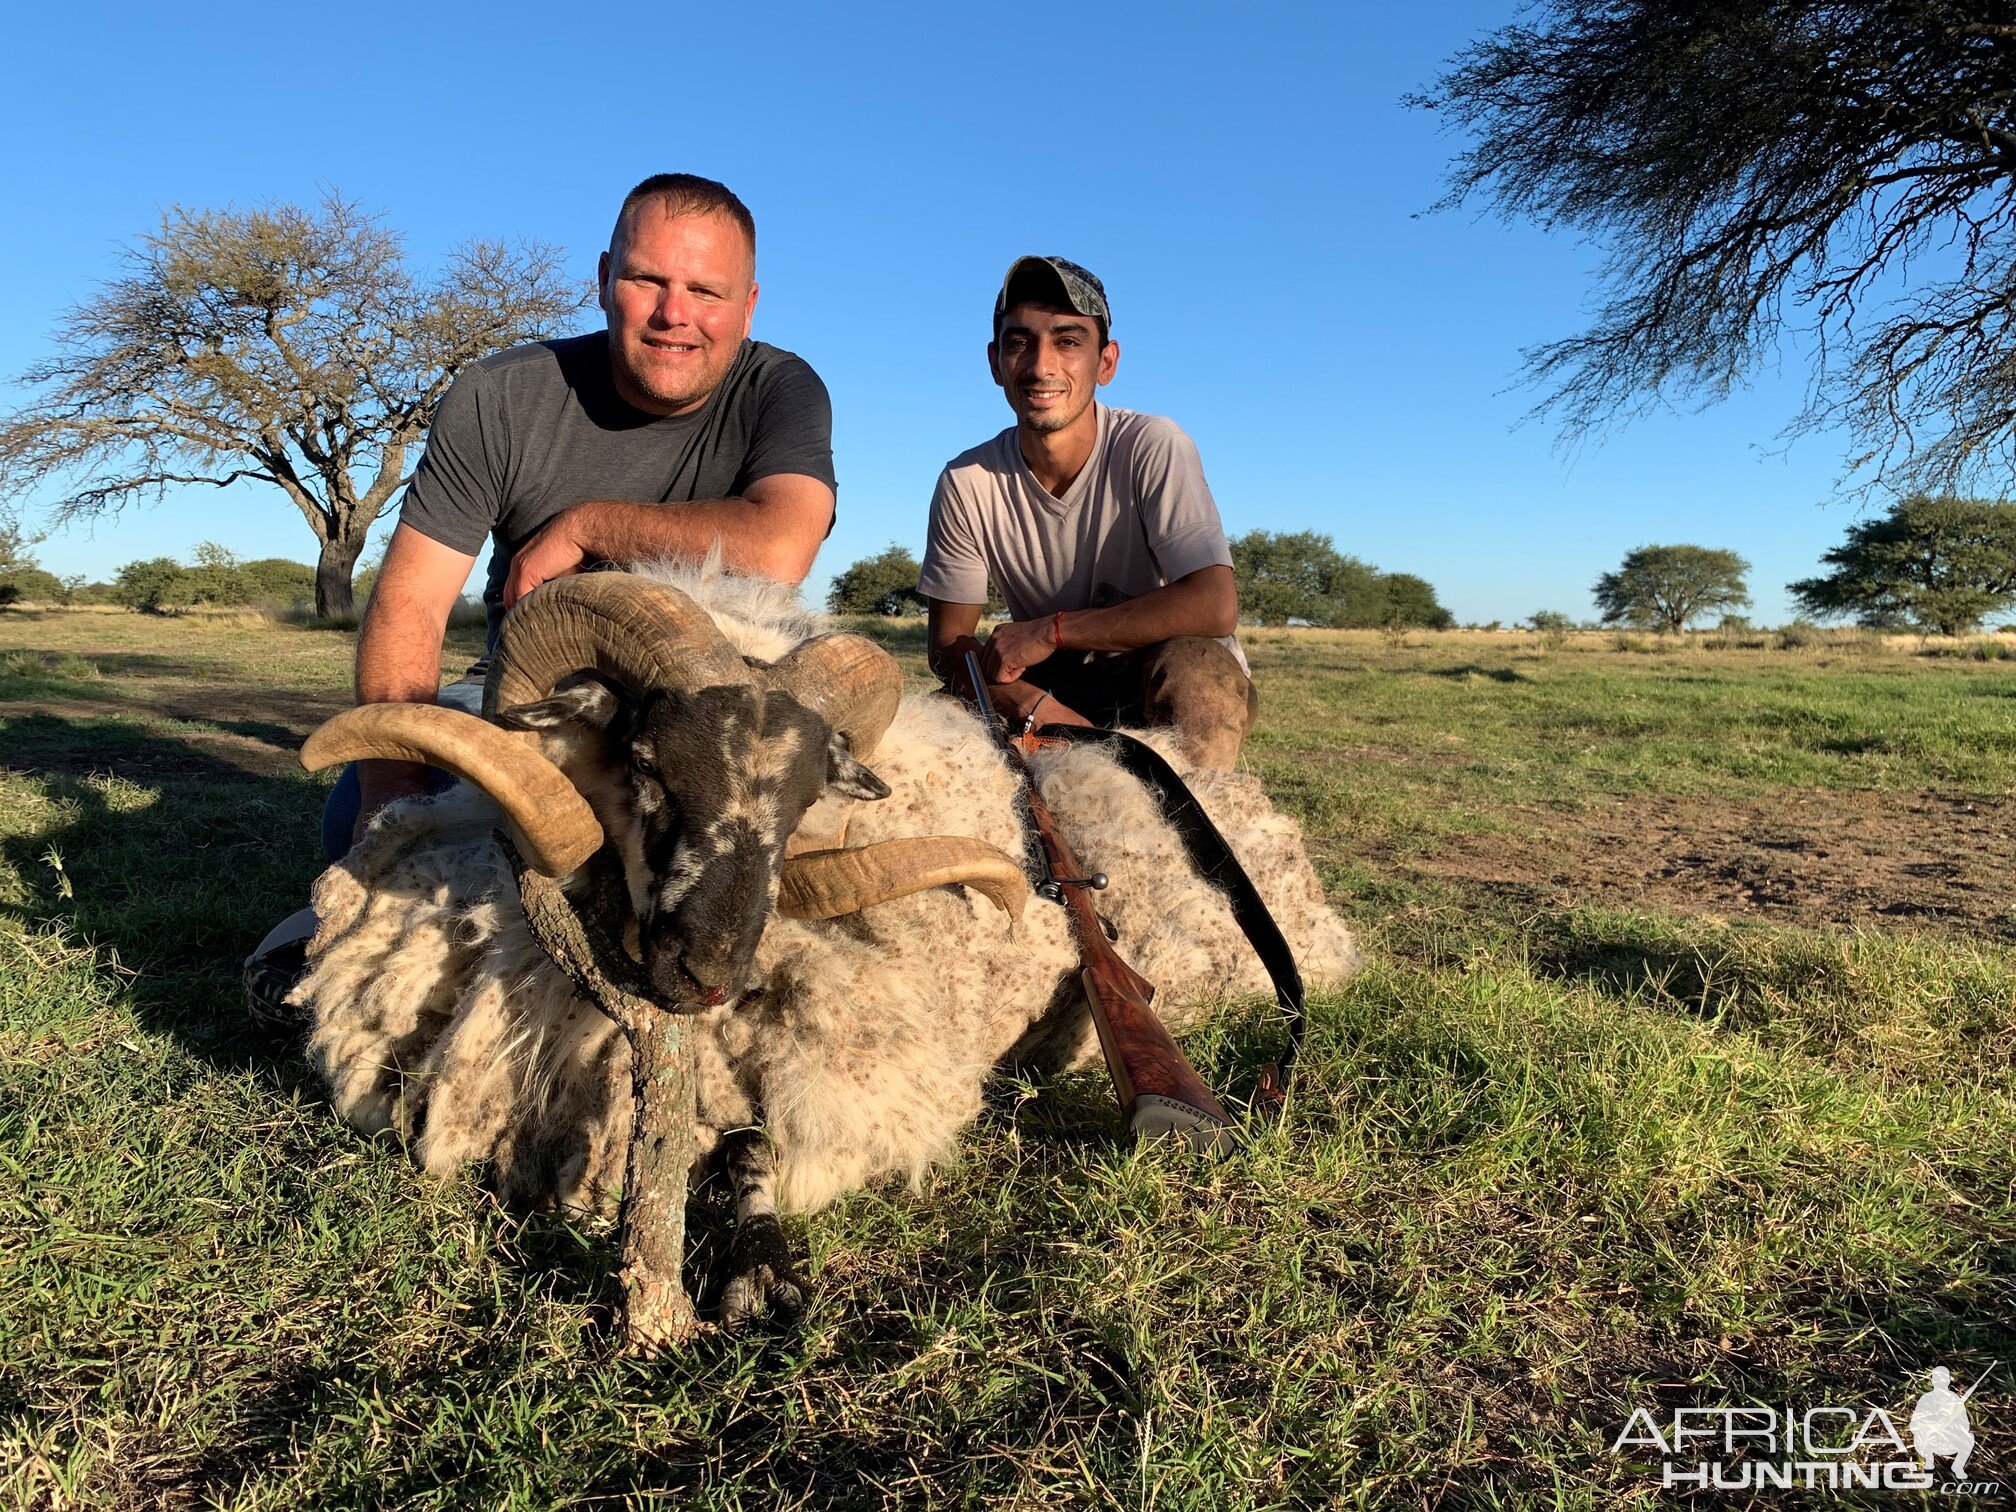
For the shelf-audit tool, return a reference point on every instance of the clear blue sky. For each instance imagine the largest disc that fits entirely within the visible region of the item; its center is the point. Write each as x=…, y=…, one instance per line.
x=1243, y=178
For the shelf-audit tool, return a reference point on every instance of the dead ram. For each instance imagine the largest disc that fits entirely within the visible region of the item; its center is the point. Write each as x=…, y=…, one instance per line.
x=816, y=864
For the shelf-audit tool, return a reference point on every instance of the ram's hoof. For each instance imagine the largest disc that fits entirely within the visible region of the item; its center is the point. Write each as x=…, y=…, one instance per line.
x=762, y=1283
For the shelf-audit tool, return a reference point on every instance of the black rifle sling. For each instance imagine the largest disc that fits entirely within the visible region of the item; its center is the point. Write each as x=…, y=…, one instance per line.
x=1214, y=858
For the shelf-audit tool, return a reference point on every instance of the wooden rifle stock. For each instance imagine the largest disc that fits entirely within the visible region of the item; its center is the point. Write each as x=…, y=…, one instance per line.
x=1158, y=1089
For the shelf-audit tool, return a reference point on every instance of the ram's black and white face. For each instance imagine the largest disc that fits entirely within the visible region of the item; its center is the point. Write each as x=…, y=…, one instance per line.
x=697, y=792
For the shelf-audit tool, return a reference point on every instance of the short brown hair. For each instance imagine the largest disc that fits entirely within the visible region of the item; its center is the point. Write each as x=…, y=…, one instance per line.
x=685, y=194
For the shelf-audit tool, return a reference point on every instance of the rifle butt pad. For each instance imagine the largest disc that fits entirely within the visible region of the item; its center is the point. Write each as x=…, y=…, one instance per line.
x=1153, y=1117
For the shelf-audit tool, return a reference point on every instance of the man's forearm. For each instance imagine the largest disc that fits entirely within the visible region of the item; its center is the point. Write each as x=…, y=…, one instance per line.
x=399, y=654
x=1197, y=605
x=398, y=661
x=750, y=540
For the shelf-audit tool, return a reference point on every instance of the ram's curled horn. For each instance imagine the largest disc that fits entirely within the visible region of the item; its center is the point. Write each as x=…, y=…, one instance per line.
x=848, y=681
x=557, y=831
x=633, y=631
x=826, y=884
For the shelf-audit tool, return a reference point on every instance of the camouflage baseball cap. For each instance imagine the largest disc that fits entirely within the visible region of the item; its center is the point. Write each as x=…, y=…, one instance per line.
x=1053, y=281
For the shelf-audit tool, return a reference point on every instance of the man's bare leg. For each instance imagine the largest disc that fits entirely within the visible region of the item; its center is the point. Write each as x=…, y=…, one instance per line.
x=1197, y=686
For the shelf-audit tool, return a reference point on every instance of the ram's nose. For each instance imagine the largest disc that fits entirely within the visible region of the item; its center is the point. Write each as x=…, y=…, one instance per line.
x=695, y=983
x=712, y=997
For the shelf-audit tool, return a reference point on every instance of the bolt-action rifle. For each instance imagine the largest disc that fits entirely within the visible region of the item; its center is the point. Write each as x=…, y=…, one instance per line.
x=1159, y=1090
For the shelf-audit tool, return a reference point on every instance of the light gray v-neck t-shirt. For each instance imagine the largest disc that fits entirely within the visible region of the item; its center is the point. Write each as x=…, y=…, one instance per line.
x=1138, y=515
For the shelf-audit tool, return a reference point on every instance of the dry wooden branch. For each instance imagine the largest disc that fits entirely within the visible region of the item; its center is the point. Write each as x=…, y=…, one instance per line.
x=658, y=1315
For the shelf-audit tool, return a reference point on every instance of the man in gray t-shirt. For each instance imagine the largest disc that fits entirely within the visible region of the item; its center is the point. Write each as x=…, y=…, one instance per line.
x=664, y=434
x=667, y=434
x=1100, y=532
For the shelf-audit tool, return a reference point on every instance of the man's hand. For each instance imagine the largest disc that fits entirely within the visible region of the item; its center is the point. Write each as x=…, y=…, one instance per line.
x=555, y=552
x=772, y=531
x=948, y=661
x=1015, y=647
x=1016, y=701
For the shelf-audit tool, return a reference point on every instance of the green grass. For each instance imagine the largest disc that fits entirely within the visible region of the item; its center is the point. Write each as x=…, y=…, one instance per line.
x=1544, y=1164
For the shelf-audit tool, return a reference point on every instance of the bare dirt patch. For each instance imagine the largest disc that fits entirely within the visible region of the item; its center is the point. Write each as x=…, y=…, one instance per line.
x=1943, y=860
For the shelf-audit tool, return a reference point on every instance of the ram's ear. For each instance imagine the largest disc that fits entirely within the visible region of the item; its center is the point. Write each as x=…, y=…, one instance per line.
x=846, y=775
x=584, y=700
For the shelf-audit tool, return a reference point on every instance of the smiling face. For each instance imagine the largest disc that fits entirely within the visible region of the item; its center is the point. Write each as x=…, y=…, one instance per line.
x=1050, y=363
x=679, y=292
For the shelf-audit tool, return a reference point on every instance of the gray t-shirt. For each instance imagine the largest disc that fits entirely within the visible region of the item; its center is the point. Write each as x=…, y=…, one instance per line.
x=1139, y=515
x=533, y=431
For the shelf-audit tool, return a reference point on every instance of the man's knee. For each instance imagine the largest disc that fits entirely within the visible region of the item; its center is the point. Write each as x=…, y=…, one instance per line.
x=1196, y=684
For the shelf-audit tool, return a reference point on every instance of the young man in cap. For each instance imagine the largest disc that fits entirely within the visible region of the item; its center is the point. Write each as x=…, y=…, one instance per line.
x=1097, y=528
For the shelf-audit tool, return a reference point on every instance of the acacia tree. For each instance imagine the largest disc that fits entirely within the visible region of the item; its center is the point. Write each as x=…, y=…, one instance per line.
x=1667, y=587
x=284, y=345
x=1944, y=564
x=1754, y=165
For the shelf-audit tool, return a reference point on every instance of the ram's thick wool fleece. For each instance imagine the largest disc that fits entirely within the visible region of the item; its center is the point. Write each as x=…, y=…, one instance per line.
x=863, y=1051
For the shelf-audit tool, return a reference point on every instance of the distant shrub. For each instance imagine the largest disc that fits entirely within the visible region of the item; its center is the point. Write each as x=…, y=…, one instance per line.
x=1800, y=635
x=149, y=586
x=32, y=585
x=1303, y=579
x=276, y=580
x=1982, y=648
x=1734, y=633
x=1411, y=602
x=209, y=584
x=162, y=585
x=884, y=584
x=1553, y=627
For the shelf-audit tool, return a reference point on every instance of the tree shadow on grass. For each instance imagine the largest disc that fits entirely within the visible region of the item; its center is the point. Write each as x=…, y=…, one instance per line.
x=738, y=1399
x=173, y=856
x=1625, y=968
x=1471, y=669
x=123, y=664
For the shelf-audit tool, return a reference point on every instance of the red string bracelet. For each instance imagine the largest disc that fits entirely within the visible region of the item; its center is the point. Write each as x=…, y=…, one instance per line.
x=1057, y=631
